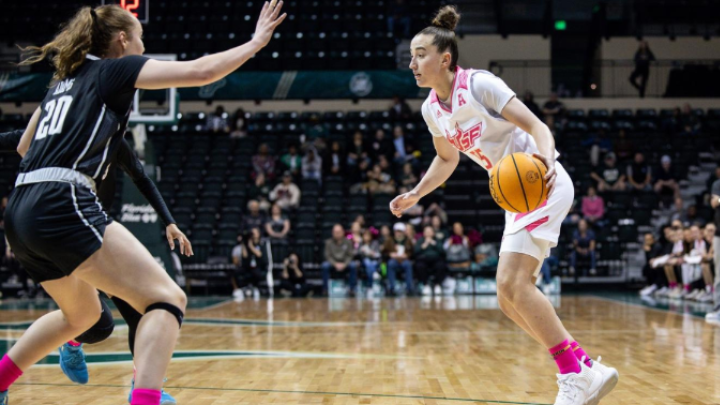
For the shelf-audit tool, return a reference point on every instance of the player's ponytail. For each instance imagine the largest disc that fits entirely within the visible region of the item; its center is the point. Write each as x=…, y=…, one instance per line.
x=442, y=29
x=90, y=31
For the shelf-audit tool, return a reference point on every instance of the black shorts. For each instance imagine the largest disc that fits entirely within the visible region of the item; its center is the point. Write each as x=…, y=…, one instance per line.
x=54, y=227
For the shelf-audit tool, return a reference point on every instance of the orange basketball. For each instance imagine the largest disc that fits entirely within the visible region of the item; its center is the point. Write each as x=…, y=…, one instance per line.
x=517, y=182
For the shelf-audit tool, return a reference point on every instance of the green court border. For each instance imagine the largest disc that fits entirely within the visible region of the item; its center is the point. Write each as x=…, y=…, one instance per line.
x=352, y=394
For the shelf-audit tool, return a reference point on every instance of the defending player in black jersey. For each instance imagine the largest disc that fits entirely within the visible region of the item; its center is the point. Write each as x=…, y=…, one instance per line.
x=72, y=357
x=54, y=221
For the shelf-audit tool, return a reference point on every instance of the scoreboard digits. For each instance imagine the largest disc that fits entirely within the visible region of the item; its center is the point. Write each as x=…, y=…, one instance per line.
x=138, y=8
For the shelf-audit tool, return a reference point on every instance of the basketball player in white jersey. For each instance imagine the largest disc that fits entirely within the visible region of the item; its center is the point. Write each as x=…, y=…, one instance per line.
x=474, y=112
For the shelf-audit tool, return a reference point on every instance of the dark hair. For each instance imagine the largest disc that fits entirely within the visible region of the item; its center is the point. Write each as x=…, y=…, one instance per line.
x=442, y=28
x=89, y=31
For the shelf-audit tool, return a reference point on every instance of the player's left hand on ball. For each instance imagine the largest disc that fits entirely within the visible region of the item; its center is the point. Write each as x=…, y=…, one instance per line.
x=173, y=232
x=403, y=202
x=551, y=174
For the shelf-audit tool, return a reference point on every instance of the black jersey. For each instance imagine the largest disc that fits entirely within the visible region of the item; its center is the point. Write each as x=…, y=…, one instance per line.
x=126, y=159
x=84, y=116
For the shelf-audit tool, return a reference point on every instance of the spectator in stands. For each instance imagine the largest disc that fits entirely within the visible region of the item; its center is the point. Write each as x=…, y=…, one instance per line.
x=238, y=124
x=277, y=226
x=260, y=191
x=457, y=249
x=666, y=183
x=639, y=173
x=609, y=177
x=398, y=16
x=359, y=177
x=710, y=181
x=292, y=278
x=678, y=213
x=264, y=162
x=385, y=234
x=643, y=57
x=486, y=257
x=664, y=263
x=654, y=276
x=690, y=123
x=593, y=206
x=369, y=255
x=707, y=264
x=218, y=121
x=435, y=209
x=358, y=151
x=379, y=181
x=292, y=161
x=400, y=109
x=315, y=130
x=334, y=160
x=408, y=178
x=553, y=110
x=312, y=165
x=441, y=233
x=693, y=218
x=411, y=234
x=400, y=155
x=584, y=246
x=380, y=146
x=397, y=251
x=252, y=266
x=599, y=144
x=355, y=235
x=430, y=264
x=529, y=101
x=254, y=218
x=693, y=251
x=286, y=194
x=338, y=262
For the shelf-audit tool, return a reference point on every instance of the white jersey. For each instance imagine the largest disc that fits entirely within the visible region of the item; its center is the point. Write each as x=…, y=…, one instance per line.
x=473, y=124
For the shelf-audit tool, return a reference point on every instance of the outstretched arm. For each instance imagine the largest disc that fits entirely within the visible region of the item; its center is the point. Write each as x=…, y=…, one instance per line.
x=157, y=74
x=440, y=170
x=130, y=163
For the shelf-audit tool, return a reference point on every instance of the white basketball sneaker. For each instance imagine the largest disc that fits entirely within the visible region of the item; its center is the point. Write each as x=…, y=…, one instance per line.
x=610, y=377
x=582, y=388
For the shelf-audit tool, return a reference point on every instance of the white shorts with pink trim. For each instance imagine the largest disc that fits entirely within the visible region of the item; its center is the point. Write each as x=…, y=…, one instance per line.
x=545, y=221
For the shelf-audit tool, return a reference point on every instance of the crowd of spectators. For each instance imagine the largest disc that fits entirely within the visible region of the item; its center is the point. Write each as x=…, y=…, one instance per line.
x=425, y=258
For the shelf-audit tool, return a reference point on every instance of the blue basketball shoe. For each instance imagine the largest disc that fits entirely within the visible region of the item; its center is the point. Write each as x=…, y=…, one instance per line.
x=72, y=363
x=165, y=398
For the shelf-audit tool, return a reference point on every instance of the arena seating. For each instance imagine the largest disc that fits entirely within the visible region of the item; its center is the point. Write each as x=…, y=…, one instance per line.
x=205, y=176
x=318, y=34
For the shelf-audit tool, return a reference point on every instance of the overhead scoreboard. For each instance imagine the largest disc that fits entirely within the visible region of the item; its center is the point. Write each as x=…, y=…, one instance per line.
x=139, y=8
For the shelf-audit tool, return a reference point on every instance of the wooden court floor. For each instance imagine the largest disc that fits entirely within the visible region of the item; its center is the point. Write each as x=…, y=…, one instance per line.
x=444, y=351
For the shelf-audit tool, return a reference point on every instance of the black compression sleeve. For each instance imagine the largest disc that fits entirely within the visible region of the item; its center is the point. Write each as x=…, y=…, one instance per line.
x=131, y=164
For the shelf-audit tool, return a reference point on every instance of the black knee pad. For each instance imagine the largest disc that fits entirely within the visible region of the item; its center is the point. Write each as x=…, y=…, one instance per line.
x=167, y=307
x=102, y=328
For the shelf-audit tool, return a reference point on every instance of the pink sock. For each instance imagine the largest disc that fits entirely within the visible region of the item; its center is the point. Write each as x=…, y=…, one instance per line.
x=9, y=373
x=687, y=287
x=673, y=284
x=74, y=343
x=580, y=353
x=565, y=358
x=145, y=397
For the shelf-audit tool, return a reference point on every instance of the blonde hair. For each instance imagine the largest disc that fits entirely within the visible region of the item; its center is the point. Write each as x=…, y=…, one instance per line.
x=89, y=31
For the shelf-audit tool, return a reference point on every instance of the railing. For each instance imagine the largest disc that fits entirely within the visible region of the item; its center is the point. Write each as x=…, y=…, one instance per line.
x=611, y=77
